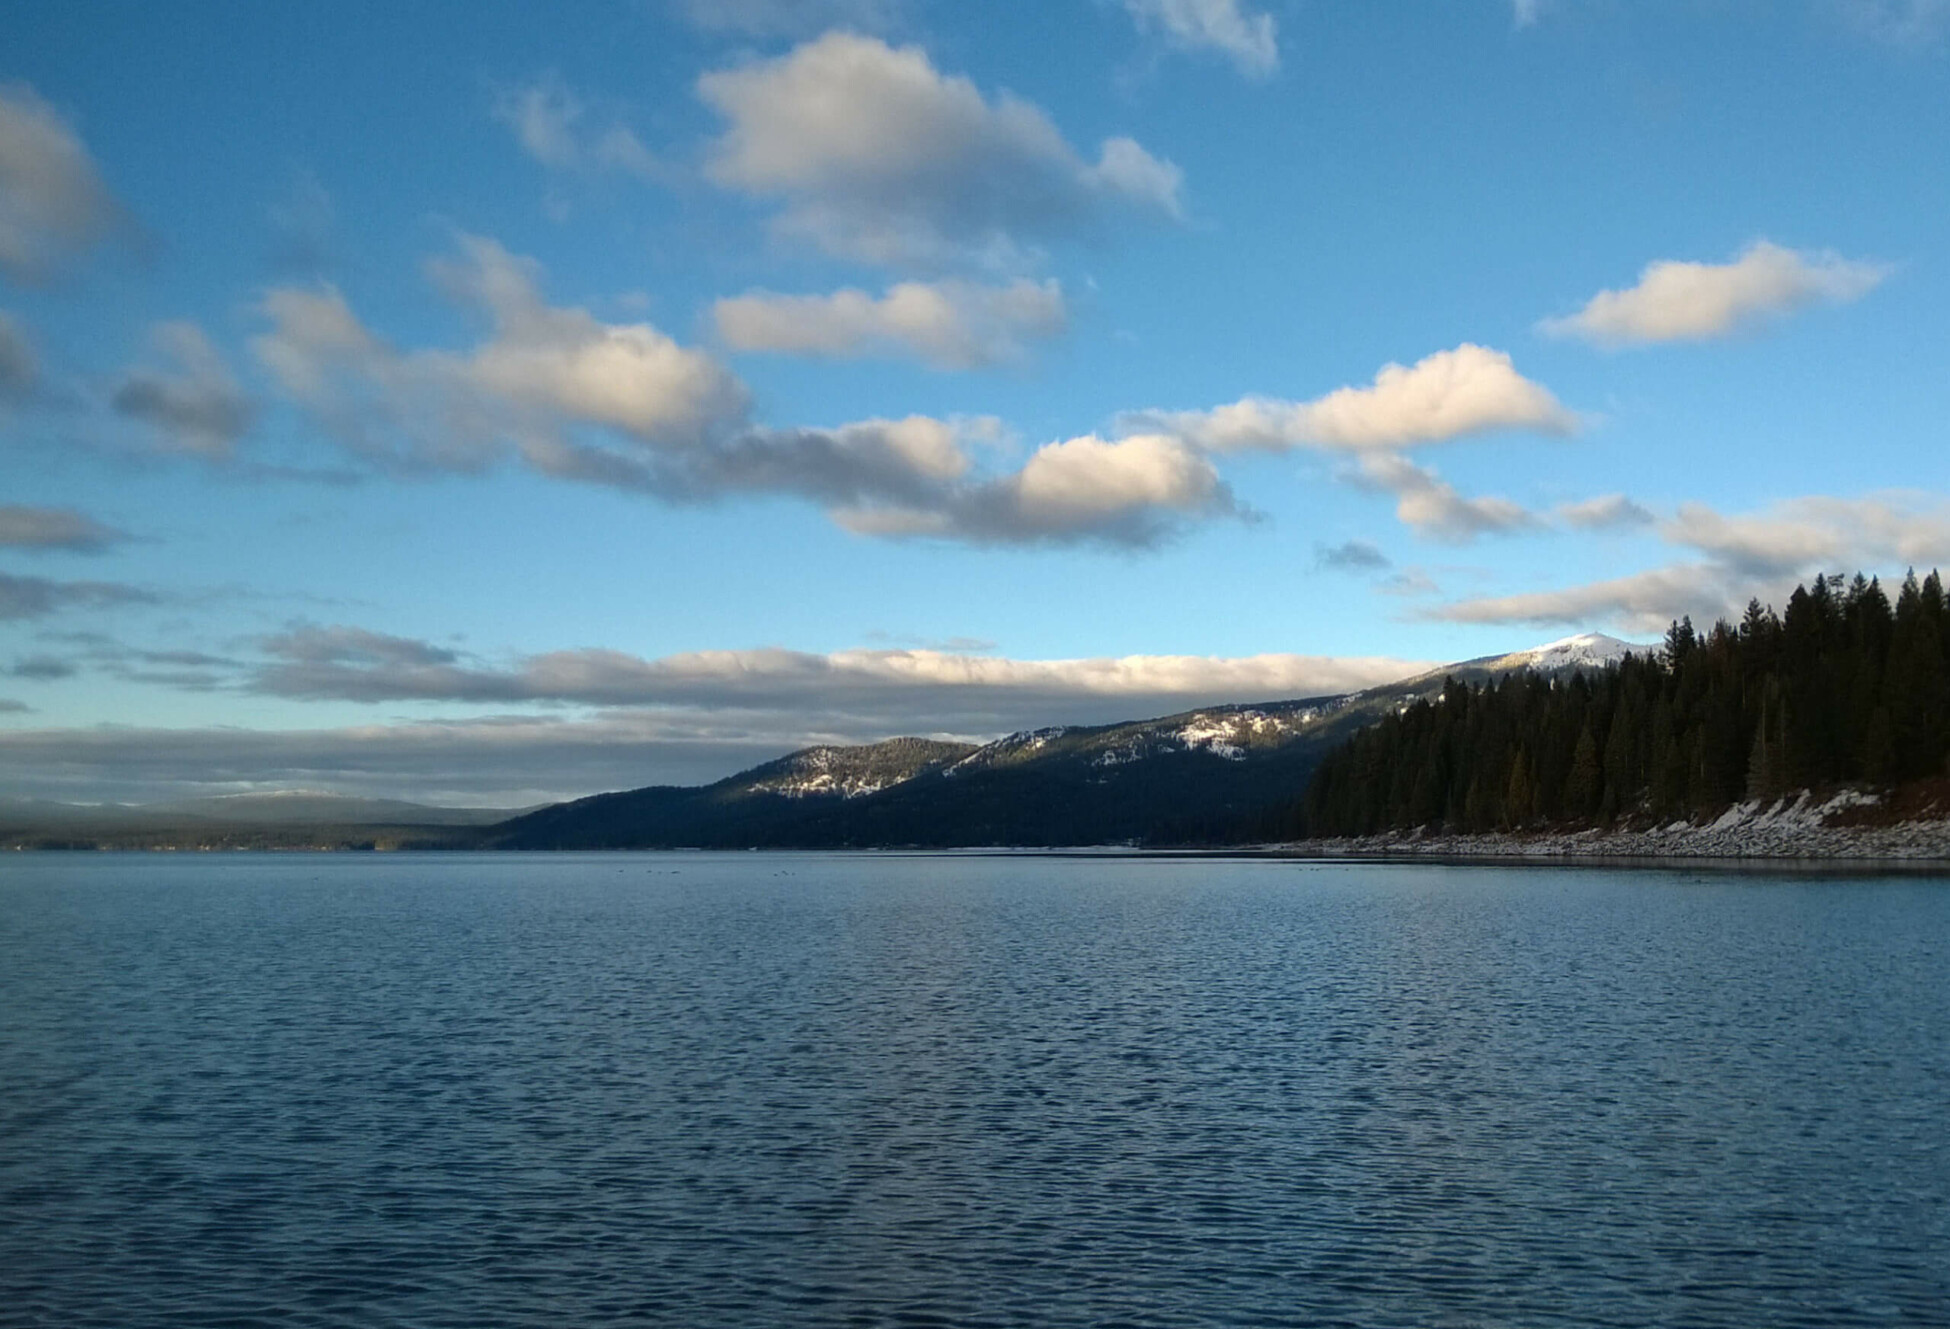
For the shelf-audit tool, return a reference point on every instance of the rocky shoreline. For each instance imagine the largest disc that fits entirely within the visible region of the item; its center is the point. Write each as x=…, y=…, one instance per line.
x=1838, y=827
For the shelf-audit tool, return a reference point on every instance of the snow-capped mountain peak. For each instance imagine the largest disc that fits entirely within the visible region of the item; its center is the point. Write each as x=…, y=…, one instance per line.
x=1589, y=650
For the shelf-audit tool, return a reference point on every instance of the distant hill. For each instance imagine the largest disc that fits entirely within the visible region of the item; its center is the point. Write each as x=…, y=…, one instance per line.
x=1197, y=776
x=292, y=819
x=300, y=807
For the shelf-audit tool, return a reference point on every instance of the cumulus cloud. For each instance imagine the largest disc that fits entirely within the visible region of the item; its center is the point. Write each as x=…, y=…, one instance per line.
x=1352, y=556
x=53, y=204
x=1760, y=555
x=1607, y=512
x=1469, y=390
x=1680, y=301
x=19, y=366
x=1248, y=39
x=543, y=372
x=878, y=156
x=1130, y=491
x=37, y=597
x=948, y=324
x=550, y=123
x=625, y=406
x=24, y=527
x=196, y=405
x=1431, y=505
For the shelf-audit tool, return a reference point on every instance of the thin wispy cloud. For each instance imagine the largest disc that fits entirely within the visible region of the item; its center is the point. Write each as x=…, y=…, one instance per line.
x=1734, y=559
x=38, y=597
x=1248, y=38
x=193, y=403
x=1605, y=513
x=555, y=127
x=1352, y=556
x=1905, y=23
x=790, y=18
x=1431, y=506
x=20, y=367
x=1684, y=301
x=35, y=528
x=893, y=688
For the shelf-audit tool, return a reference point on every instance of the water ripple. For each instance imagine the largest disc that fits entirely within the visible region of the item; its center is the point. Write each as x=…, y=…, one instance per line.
x=752, y=1090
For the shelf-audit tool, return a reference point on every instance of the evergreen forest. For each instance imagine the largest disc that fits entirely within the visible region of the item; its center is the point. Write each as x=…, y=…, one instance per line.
x=1844, y=687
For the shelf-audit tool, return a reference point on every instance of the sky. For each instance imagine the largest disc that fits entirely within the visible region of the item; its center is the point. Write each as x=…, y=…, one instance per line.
x=488, y=403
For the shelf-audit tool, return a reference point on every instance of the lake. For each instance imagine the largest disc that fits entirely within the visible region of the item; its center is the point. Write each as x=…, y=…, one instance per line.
x=756, y=1089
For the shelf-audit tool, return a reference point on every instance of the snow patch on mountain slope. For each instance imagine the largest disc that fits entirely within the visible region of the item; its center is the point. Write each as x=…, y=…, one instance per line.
x=1587, y=650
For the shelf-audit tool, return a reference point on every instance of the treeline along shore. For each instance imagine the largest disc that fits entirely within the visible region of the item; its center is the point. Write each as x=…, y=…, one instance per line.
x=1830, y=716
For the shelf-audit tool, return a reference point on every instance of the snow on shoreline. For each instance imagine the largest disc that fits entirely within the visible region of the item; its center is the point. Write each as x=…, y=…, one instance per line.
x=1791, y=828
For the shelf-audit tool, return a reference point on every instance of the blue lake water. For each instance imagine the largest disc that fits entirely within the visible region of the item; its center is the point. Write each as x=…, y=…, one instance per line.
x=758, y=1090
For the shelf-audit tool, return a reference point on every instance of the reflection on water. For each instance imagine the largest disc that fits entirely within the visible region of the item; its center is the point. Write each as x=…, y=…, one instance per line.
x=753, y=1089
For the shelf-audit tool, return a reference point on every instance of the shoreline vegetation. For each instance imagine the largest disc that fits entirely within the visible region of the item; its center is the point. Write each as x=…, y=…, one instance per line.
x=1815, y=732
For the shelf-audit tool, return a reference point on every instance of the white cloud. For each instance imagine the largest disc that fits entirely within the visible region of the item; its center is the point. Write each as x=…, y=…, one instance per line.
x=1431, y=506
x=53, y=204
x=1248, y=39
x=19, y=366
x=1680, y=301
x=949, y=324
x=548, y=121
x=1469, y=390
x=1526, y=12
x=197, y=405
x=53, y=528
x=1132, y=491
x=1608, y=512
x=879, y=156
x=543, y=373
x=625, y=406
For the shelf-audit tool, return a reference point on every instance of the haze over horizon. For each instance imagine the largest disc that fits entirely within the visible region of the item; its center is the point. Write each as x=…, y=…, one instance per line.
x=475, y=405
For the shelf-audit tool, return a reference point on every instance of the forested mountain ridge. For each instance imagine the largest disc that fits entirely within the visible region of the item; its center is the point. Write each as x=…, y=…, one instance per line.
x=1217, y=774
x=1843, y=687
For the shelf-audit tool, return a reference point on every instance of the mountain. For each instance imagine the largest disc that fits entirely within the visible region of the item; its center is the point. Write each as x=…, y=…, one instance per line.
x=1198, y=776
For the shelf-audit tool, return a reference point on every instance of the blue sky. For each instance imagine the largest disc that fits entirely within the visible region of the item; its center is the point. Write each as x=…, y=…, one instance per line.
x=475, y=403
